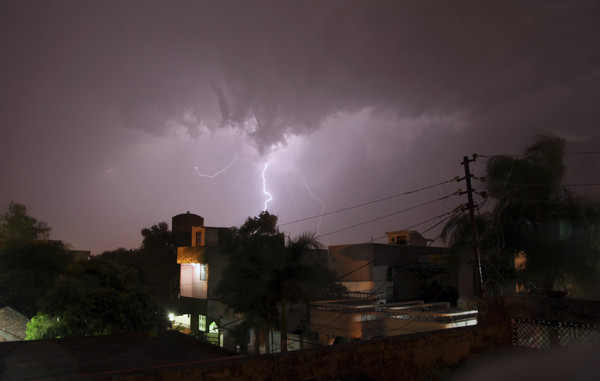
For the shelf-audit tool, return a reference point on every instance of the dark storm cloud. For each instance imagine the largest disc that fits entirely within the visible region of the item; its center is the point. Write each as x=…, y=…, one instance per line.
x=291, y=64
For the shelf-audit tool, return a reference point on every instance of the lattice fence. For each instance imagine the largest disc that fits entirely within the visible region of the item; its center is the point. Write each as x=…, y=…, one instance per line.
x=542, y=334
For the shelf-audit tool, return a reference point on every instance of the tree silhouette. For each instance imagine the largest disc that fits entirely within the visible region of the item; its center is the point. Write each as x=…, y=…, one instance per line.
x=155, y=262
x=97, y=297
x=265, y=273
x=28, y=271
x=159, y=270
x=18, y=228
x=253, y=254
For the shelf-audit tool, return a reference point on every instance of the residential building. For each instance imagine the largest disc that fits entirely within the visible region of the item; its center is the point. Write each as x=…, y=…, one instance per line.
x=389, y=285
x=201, y=263
x=404, y=269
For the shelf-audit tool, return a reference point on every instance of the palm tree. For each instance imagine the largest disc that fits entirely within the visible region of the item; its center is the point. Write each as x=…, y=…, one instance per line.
x=265, y=273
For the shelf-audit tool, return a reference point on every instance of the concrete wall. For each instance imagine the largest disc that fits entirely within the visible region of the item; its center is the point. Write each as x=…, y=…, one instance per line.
x=397, y=358
x=352, y=262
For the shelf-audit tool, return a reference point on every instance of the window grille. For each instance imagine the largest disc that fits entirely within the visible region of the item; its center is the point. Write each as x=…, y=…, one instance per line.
x=542, y=334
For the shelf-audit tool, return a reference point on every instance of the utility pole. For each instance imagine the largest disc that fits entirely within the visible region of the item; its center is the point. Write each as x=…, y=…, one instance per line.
x=470, y=206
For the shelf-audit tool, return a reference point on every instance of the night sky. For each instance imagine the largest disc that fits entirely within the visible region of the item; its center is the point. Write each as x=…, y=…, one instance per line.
x=116, y=115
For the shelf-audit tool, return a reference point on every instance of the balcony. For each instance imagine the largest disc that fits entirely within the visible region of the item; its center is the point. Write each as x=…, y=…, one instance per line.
x=191, y=254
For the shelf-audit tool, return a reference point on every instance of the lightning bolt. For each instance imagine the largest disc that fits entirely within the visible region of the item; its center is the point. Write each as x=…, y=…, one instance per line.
x=314, y=197
x=265, y=186
x=197, y=171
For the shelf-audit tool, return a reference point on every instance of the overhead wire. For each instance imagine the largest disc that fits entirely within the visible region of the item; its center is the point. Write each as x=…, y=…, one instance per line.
x=375, y=219
x=425, y=231
x=540, y=185
x=521, y=155
x=370, y=202
x=389, y=215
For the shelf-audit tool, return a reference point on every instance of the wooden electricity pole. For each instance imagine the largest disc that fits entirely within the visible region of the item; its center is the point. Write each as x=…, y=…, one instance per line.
x=470, y=206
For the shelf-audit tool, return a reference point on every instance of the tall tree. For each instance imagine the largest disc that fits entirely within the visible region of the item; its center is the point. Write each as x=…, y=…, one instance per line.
x=18, y=228
x=159, y=270
x=155, y=262
x=253, y=254
x=264, y=273
x=535, y=217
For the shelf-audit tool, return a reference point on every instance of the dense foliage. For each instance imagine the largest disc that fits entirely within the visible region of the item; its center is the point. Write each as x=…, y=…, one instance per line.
x=155, y=263
x=96, y=297
x=116, y=292
x=27, y=271
x=29, y=263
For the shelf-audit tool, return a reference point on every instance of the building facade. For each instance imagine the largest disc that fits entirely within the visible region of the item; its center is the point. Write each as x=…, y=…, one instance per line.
x=201, y=259
x=404, y=269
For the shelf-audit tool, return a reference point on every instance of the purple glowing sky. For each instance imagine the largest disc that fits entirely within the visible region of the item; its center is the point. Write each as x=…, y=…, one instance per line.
x=116, y=115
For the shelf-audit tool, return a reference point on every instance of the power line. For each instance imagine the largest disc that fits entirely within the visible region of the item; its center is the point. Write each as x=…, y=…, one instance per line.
x=370, y=202
x=388, y=215
x=425, y=231
x=522, y=155
x=540, y=185
x=446, y=215
x=581, y=185
x=582, y=153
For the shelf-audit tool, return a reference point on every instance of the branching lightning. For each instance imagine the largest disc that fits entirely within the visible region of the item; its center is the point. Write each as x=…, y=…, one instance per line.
x=314, y=197
x=265, y=187
x=197, y=171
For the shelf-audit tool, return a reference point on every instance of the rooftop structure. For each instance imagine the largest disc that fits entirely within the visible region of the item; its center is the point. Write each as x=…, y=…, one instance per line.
x=364, y=318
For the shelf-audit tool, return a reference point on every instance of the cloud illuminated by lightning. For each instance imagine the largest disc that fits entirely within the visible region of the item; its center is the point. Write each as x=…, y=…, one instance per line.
x=197, y=171
x=265, y=186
